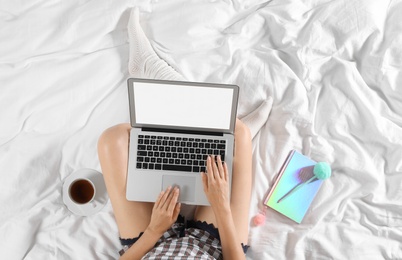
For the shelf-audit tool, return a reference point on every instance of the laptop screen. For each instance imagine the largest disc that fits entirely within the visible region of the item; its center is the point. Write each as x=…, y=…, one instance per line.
x=189, y=106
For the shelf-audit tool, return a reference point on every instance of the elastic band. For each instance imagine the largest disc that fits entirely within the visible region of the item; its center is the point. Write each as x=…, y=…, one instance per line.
x=129, y=241
x=245, y=248
x=210, y=228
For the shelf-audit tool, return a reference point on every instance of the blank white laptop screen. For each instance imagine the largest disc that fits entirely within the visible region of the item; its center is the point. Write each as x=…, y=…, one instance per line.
x=176, y=105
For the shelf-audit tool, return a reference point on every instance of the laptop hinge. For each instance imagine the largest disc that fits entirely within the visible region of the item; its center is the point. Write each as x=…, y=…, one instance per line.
x=177, y=131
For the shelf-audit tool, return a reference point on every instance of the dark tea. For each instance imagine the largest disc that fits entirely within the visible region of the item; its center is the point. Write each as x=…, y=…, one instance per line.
x=81, y=191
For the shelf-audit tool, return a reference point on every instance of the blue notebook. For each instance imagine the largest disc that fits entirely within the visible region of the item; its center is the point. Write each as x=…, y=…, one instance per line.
x=296, y=169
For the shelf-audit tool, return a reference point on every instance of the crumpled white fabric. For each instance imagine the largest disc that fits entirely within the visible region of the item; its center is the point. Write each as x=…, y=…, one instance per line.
x=145, y=63
x=331, y=67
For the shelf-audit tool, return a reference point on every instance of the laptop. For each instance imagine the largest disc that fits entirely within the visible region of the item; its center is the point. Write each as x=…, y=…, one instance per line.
x=174, y=127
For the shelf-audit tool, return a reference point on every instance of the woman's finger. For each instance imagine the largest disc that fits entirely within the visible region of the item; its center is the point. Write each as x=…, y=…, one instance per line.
x=164, y=197
x=169, y=199
x=176, y=210
x=226, y=172
x=220, y=167
x=158, y=200
x=215, y=168
x=173, y=199
x=210, y=171
x=204, y=178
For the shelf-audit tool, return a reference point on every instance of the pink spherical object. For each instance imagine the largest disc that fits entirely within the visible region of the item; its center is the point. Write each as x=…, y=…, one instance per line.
x=259, y=219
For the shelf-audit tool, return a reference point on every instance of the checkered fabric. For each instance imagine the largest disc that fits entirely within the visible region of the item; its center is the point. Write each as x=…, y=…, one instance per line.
x=191, y=243
x=195, y=244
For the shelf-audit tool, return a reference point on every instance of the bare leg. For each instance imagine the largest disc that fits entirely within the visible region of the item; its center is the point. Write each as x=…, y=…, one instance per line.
x=241, y=185
x=131, y=217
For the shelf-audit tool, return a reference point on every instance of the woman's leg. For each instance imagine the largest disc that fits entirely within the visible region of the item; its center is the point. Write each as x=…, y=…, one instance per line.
x=241, y=185
x=131, y=217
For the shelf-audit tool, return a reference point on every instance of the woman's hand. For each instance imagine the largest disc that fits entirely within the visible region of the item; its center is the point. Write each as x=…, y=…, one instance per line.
x=165, y=211
x=216, y=187
x=164, y=214
x=216, y=183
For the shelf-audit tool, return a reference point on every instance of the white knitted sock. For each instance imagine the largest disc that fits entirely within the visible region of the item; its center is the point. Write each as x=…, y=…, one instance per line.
x=256, y=119
x=144, y=62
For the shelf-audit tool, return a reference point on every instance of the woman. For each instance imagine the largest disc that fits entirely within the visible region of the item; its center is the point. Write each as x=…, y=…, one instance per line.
x=150, y=230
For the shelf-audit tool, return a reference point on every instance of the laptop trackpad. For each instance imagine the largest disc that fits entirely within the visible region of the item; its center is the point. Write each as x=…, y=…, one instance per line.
x=185, y=184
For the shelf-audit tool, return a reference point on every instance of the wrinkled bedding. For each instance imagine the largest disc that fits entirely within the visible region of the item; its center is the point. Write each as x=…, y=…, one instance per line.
x=333, y=69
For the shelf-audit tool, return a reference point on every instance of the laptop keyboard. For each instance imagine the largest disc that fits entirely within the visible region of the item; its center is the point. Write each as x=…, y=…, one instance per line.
x=176, y=153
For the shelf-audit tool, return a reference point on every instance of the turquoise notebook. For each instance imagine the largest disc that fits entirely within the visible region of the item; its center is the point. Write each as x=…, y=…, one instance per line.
x=294, y=204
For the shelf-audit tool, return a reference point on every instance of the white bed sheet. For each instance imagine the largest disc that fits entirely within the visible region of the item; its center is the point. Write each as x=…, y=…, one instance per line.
x=333, y=69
